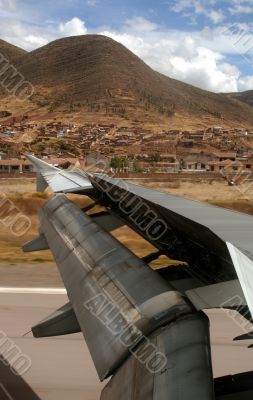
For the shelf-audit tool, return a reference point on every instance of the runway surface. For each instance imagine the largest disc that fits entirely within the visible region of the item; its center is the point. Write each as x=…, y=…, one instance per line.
x=61, y=368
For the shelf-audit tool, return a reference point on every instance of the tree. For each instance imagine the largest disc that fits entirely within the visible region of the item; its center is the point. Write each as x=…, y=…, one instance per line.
x=40, y=148
x=119, y=163
x=156, y=157
x=114, y=163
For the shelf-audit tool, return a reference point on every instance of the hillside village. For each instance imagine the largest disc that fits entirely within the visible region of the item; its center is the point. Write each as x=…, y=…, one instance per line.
x=136, y=99
x=128, y=149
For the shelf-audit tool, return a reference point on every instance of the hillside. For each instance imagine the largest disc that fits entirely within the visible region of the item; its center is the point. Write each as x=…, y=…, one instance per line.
x=245, y=97
x=97, y=75
x=10, y=51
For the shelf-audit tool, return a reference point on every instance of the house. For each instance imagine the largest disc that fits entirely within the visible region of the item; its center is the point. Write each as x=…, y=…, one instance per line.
x=15, y=165
x=226, y=165
x=8, y=134
x=60, y=134
x=226, y=156
x=164, y=167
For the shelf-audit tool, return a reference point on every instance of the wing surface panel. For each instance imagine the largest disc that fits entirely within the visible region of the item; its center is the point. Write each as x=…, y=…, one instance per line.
x=100, y=274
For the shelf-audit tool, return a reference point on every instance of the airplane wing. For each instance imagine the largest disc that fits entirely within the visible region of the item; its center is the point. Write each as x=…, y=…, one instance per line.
x=134, y=322
x=144, y=327
x=215, y=242
x=58, y=179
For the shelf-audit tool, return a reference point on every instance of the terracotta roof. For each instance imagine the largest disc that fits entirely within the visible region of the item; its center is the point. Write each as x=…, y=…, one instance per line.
x=226, y=162
x=17, y=161
x=225, y=154
x=14, y=162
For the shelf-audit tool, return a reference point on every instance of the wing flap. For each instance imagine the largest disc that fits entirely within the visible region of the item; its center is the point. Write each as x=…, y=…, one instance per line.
x=244, y=269
x=41, y=183
x=61, y=322
x=175, y=360
x=112, y=291
x=221, y=295
x=206, y=237
x=246, y=336
x=107, y=221
x=59, y=180
x=37, y=244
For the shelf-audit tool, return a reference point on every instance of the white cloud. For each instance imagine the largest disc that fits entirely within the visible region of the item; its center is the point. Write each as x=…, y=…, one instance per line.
x=8, y=5
x=216, y=16
x=240, y=9
x=193, y=8
x=245, y=83
x=36, y=40
x=183, y=5
x=196, y=57
x=30, y=37
x=73, y=27
x=92, y=3
x=140, y=24
x=24, y=36
x=182, y=56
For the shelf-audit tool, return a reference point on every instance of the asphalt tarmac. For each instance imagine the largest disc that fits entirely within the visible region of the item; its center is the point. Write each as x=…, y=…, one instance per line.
x=61, y=368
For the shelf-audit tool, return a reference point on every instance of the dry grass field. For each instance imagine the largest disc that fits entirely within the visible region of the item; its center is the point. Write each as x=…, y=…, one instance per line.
x=212, y=191
x=21, y=193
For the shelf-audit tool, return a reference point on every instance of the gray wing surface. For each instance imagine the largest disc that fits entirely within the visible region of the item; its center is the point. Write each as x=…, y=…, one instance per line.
x=120, y=305
x=102, y=277
x=215, y=242
x=187, y=374
x=201, y=220
x=59, y=180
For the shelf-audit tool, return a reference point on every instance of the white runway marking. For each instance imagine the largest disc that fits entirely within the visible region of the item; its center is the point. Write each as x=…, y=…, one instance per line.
x=24, y=290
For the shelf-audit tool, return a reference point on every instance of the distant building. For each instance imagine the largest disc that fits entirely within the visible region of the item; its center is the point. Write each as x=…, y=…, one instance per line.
x=15, y=166
x=8, y=134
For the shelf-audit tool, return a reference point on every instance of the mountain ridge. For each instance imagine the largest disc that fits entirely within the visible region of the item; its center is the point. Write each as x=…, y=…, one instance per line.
x=10, y=51
x=97, y=75
x=245, y=97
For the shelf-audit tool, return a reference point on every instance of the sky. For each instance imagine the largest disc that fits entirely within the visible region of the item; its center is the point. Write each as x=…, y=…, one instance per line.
x=208, y=44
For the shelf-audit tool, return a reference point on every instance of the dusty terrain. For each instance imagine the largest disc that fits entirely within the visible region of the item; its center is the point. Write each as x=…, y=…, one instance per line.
x=238, y=198
x=21, y=194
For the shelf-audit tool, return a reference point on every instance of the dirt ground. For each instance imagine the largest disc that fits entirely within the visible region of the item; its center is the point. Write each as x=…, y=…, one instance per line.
x=22, y=195
x=238, y=198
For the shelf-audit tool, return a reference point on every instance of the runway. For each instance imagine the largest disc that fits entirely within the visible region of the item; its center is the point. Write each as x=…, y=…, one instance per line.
x=61, y=368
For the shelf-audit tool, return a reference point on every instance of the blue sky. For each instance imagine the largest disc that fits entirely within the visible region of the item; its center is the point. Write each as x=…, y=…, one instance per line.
x=205, y=43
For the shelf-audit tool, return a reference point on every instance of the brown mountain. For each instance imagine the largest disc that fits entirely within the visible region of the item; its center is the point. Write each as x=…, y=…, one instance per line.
x=245, y=97
x=97, y=74
x=10, y=51
x=9, y=54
